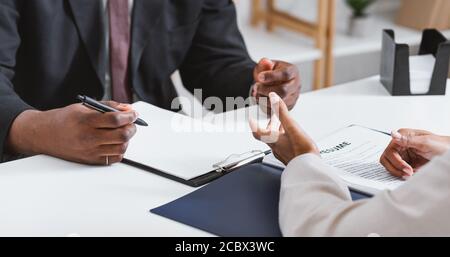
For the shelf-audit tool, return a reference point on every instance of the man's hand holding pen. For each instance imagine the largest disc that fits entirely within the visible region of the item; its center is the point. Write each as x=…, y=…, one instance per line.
x=75, y=133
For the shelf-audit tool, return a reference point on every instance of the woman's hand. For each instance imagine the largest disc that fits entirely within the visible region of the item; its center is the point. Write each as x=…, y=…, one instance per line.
x=411, y=149
x=287, y=140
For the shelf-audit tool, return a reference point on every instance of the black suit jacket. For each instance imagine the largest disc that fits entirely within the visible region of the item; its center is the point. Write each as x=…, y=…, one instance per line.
x=52, y=50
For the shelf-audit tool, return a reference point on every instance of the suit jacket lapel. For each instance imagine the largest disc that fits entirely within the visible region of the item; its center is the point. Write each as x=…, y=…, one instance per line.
x=90, y=23
x=146, y=14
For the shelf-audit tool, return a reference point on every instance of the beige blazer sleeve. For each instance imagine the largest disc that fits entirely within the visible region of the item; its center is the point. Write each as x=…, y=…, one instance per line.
x=316, y=202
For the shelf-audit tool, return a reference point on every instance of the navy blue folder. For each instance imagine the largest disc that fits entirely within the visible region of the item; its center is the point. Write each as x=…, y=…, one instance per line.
x=243, y=203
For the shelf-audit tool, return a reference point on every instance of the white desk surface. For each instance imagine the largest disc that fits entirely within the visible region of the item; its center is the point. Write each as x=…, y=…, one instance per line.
x=43, y=196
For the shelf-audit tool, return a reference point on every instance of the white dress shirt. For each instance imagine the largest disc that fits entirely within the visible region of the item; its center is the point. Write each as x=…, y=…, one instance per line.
x=108, y=93
x=316, y=202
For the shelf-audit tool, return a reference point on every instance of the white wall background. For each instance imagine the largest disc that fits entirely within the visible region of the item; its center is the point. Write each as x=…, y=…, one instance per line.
x=307, y=9
x=348, y=68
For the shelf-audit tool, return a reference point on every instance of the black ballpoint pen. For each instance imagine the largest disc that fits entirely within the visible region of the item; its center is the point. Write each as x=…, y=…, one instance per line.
x=95, y=105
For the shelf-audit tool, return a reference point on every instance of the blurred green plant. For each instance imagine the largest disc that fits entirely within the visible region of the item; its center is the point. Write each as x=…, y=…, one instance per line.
x=359, y=7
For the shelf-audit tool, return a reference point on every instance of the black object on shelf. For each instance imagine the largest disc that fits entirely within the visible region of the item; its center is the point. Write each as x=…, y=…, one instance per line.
x=395, y=68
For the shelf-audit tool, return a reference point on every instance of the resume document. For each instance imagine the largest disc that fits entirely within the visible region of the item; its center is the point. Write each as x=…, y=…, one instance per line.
x=355, y=152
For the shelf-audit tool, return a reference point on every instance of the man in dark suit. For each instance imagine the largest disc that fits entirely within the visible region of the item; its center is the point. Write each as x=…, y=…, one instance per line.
x=53, y=50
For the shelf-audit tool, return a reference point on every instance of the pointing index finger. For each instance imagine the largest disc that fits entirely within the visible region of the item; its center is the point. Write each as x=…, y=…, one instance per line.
x=281, y=110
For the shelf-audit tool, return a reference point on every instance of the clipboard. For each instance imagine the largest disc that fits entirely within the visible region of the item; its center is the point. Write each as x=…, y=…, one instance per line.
x=187, y=150
x=229, y=164
x=242, y=204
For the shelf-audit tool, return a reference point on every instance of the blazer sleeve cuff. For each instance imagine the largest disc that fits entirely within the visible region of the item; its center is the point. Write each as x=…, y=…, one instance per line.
x=8, y=114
